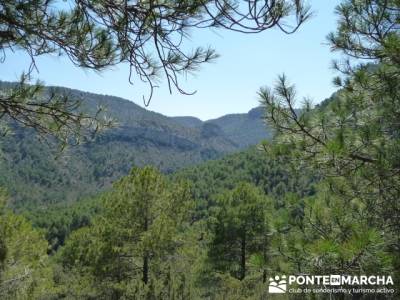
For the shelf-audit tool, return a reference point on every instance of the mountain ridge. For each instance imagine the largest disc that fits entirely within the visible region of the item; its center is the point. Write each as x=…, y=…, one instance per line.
x=142, y=138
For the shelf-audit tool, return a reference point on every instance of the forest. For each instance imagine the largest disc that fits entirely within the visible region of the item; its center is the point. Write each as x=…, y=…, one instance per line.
x=319, y=195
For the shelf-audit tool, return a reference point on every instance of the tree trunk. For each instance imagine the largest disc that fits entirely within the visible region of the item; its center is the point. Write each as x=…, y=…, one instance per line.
x=243, y=258
x=145, y=269
x=265, y=245
x=145, y=278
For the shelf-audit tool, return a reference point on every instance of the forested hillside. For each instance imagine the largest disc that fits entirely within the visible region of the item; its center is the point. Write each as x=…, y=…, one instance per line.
x=207, y=181
x=176, y=208
x=205, y=189
x=36, y=172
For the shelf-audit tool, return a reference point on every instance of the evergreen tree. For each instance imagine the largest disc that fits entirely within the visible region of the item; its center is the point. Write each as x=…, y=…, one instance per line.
x=323, y=234
x=239, y=230
x=25, y=271
x=352, y=139
x=133, y=248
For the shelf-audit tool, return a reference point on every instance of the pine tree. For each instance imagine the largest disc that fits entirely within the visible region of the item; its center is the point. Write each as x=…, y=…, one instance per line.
x=351, y=140
x=239, y=229
x=25, y=271
x=133, y=247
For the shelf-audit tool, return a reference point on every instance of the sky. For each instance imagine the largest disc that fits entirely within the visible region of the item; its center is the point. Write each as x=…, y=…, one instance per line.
x=229, y=85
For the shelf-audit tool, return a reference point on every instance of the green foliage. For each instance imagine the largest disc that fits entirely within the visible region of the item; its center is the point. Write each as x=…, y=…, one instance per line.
x=272, y=176
x=58, y=221
x=352, y=141
x=328, y=236
x=324, y=200
x=239, y=229
x=25, y=271
x=137, y=243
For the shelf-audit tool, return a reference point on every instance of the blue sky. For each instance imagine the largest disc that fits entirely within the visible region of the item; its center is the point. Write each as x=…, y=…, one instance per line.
x=229, y=85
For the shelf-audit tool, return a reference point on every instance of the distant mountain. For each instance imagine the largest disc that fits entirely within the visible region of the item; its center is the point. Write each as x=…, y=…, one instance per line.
x=35, y=172
x=242, y=129
x=192, y=122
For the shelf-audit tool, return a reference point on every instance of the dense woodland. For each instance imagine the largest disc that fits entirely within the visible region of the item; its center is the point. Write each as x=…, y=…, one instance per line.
x=187, y=222
x=320, y=197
